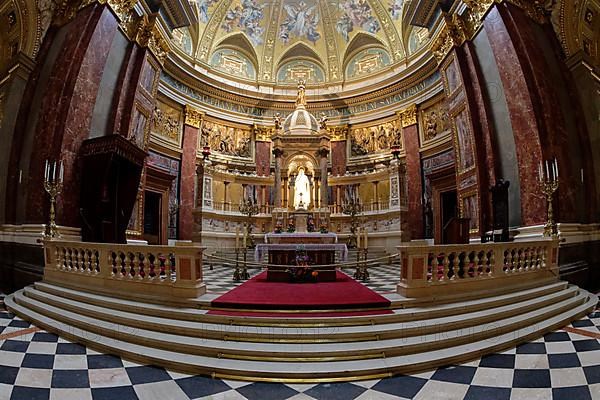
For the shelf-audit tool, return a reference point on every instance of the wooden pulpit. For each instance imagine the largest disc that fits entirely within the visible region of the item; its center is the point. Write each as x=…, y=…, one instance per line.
x=456, y=231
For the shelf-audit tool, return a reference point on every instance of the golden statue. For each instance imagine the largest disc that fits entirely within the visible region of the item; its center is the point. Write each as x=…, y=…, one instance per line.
x=301, y=99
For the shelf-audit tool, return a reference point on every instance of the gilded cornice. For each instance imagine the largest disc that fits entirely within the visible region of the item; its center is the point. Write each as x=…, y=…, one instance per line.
x=193, y=117
x=286, y=105
x=408, y=116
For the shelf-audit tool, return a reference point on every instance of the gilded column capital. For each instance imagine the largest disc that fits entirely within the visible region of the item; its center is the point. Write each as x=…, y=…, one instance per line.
x=263, y=133
x=408, y=116
x=193, y=117
x=338, y=133
x=454, y=33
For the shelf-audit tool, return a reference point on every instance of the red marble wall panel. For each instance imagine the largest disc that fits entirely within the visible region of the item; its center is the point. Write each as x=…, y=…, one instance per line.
x=66, y=109
x=415, y=183
x=188, y=182
x=525, y=124
x=338, y=157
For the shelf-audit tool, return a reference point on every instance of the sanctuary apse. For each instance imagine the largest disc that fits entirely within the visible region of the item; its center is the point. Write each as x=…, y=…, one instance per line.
x=186, y=132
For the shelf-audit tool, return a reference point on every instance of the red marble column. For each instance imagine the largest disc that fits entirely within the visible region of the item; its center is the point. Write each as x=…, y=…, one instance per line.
x=414, y=215
x=66, y=110
x=536, y=115
x=188, y=182
x=263, y=158
x=482, y=131
x=338, y=157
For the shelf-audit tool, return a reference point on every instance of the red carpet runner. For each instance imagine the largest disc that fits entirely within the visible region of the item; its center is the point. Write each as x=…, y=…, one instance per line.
x=258, y=293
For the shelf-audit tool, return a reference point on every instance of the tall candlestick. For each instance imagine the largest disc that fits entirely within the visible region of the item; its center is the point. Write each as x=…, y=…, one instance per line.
x=366, y=240
x=237, y=237
x=245, y=235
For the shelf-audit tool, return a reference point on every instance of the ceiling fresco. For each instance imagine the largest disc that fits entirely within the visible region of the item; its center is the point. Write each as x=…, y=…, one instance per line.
x=278, y=40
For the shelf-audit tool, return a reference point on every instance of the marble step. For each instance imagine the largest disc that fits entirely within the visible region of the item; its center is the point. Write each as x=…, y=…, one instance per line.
x=228, y=347
x=399, y=315
x=305, y=371
x=410, y=334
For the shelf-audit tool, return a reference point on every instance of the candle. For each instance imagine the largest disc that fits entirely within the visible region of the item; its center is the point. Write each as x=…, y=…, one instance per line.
x=556, y=167
x=62, y=170
x=366, y=240
x=245, y=235
x=46, y=171
x=540, y=172
x=53, y=170
x=237, y=237
x=547, y=172
x=358, y=238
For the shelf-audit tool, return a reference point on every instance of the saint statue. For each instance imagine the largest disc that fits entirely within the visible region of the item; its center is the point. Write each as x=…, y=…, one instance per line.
x=301, y=99
x=301, y=191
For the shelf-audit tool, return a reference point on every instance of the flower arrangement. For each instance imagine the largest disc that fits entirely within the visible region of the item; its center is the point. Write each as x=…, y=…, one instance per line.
x=323, y=229
x=291, y=228
x=278, y=228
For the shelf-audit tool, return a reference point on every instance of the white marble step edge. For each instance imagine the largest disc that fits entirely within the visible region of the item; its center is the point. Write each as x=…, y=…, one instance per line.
x=195, y=345
x=192, y=328
x=188, y=363
x=191, y=314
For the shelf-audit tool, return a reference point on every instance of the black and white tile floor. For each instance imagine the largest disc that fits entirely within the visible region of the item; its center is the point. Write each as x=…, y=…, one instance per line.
x=38, y=365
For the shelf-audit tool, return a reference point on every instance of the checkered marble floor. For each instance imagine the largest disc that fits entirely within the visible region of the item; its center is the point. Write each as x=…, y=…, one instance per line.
x=38, y=365
x=382, y=279
x=219, y=279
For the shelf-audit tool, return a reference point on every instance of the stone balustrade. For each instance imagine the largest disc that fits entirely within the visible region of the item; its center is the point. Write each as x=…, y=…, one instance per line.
x=167, y=274
x=433, y=270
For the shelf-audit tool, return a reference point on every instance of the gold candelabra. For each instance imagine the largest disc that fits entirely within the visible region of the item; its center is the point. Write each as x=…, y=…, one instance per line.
x=353, y=208
x=53, y=181
x=549, y=185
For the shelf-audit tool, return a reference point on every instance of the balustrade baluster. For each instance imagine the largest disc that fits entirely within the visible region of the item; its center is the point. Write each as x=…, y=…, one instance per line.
x=80, y=260
x=485, y=265
x=434, y=268
x=455, y=266
x=141, y=264
x=58, y=258
x=151, y=261
x=476, y=267
x=445, y=264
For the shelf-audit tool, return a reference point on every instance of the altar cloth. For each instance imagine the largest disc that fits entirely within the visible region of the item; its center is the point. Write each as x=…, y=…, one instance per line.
x=299, y=238
x=263, y=248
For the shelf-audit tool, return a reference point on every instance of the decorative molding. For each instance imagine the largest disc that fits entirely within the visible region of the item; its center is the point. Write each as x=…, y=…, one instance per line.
x=193, y=117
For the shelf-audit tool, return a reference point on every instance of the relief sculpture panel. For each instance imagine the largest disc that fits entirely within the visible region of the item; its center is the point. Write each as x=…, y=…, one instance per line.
x=435, y=121
x=227, y=140
x=375, y=138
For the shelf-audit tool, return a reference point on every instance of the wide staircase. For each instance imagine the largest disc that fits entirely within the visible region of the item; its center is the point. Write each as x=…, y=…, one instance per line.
x=409, y=336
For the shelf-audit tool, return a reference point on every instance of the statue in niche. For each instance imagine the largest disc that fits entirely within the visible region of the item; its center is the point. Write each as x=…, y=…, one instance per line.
x=301, y=190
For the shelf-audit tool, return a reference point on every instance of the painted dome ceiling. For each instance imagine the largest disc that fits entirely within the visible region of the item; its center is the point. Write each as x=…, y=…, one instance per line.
x=284, y=41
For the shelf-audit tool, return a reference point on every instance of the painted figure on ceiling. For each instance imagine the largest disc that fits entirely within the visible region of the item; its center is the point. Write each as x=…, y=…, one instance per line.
x=301, y=21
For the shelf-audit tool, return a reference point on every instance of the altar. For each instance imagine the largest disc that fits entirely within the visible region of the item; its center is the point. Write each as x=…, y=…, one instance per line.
x=317, y=251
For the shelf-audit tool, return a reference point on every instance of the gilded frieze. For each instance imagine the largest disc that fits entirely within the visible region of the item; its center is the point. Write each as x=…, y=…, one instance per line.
x=379, y=137
x=227, y=140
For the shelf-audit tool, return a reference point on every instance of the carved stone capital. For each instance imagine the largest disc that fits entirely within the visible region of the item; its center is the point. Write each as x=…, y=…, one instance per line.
x=454, y=33
x=408, y=116
x=193, y=117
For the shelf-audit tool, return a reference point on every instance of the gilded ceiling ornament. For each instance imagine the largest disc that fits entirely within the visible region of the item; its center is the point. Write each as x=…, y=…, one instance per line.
x=193, y=117
x=409, y=116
